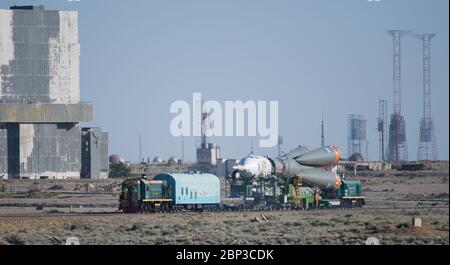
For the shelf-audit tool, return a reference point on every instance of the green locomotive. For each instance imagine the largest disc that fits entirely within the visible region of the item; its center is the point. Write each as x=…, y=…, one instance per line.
x=142, y=195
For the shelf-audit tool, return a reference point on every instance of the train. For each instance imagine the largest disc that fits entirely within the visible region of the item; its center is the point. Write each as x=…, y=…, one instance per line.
x=303, y=178
x=196, y=191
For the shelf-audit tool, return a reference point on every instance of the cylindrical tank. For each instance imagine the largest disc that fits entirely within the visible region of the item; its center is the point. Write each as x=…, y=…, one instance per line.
x=116, y=159
x=157, y=160
x=172, y=161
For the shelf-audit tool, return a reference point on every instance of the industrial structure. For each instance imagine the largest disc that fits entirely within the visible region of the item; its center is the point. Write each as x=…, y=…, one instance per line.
x=279, y=144
x=427, y=148
x=182, y=148
x=322, y=134
x=382, y=128
x=398, y=150
x=40, y=107
x=357, y=141
x=140, y=159
x=207, y=153
x=94, y=153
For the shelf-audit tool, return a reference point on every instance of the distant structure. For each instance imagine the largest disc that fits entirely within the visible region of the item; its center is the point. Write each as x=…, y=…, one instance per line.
x=116, y=159
x=357, y=141
x=140, y=148
x=322, y=135
x=398, y=150
x=382, y=128
x=172, y=161
x=182, y=147
x=427, y=148
x=40, y=108
x=280, y=143
x=94, y=153
x=207, y=153
x=356, y=157
x=157, y=160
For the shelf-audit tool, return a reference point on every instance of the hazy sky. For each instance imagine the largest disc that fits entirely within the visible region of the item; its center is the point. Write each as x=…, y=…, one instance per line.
x=311, y=55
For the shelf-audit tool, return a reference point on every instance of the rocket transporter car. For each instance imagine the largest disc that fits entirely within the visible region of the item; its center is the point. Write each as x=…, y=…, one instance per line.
x=300, y=179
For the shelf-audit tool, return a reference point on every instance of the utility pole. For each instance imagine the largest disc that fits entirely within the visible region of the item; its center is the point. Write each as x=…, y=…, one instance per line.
x=322, y=137
x=140, y=148
x=182, y=148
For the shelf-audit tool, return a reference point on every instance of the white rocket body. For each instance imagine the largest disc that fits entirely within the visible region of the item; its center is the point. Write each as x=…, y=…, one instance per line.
x=315, y=167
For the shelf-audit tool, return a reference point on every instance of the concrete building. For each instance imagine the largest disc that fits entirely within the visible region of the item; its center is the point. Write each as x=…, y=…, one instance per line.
x=208, y=154
x=94, y=153
x=40, y=108
x=224, y=167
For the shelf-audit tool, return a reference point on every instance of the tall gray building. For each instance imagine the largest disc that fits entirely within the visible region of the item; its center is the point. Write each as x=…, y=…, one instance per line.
x=40, y=108
x=94, y=153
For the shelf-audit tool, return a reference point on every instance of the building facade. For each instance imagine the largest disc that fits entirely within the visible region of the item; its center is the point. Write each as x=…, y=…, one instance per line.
x=208, y=154
x=40, y=108
x=94, y=153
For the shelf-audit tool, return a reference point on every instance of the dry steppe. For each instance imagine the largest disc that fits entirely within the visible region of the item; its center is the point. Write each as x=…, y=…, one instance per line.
x=51, y=211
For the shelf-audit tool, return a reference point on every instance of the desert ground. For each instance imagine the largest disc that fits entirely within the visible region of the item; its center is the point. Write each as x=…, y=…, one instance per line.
x=50, y=211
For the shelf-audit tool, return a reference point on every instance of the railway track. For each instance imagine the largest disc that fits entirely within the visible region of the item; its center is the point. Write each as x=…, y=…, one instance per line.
x=58, y=215
x=108, y=214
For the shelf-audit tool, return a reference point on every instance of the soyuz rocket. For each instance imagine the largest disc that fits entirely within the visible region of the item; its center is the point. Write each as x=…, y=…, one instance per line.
x=316, y=167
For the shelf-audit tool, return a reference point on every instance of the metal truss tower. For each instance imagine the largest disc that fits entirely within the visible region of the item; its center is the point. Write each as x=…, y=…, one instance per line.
x=427, y=148
x=357, y=141
x=398, y=150
x=382, y=128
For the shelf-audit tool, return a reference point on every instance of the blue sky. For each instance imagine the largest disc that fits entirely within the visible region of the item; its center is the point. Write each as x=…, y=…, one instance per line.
x=313, y=56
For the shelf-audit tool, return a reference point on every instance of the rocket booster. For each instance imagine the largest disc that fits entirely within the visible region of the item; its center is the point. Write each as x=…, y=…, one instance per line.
x=328, y=155
x=315, y=167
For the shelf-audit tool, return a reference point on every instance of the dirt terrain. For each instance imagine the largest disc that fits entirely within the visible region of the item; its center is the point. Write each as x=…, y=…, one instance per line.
x=51, y=211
